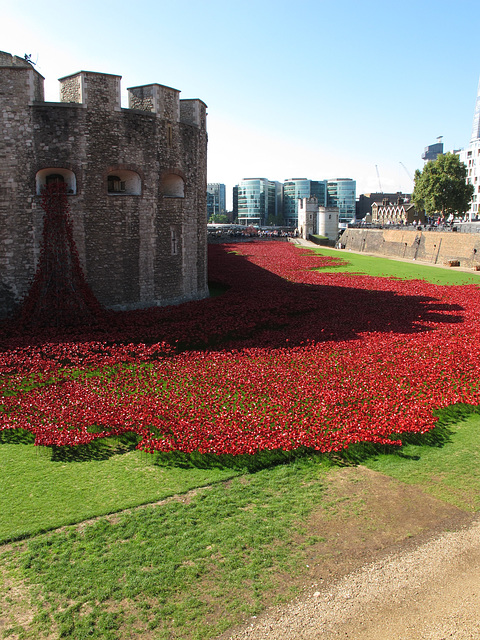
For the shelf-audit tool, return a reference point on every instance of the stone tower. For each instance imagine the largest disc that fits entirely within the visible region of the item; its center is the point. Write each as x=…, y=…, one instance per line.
x=316, y=220
x=135, y=178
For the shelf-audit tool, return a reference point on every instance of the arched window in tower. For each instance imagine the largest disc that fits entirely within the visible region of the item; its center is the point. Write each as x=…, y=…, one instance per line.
x=115, y=185
x=172, y=186
x=55, y=175
x=54, y=178
x=124, y=182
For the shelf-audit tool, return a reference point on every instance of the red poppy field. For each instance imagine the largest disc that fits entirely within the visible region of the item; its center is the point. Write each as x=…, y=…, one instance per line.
x=289, y=356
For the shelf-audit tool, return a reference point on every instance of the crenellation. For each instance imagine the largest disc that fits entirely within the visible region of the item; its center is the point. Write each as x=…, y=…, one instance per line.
x=193, y=112
x=71, y=89
x=7, y=60
x=141, y=98
x=38, y=90
x=162, y=100
x=21, y=83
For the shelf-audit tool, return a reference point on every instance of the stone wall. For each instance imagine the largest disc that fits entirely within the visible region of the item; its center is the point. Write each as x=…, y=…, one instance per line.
x=138, y=248
x=16, y=185
x=432, y=247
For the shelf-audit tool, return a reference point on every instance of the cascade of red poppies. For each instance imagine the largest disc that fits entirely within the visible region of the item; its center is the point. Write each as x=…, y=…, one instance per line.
x=60, y=295
x=289, y=356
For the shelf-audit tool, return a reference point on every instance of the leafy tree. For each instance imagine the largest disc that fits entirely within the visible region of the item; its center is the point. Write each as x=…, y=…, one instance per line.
x=218, y=218
x=442, y=186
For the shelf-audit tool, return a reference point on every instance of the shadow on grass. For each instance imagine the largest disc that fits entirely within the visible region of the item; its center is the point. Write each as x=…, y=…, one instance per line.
x=216, y=289
x=16, y=436
x=357, y=453
x=437, y=437
x=246, y=463
x=100, y=449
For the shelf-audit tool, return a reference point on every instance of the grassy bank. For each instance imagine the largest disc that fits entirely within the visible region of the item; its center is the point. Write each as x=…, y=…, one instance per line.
x=384, y=267
x=193, y=567
x=41, y=491
x=447, y=467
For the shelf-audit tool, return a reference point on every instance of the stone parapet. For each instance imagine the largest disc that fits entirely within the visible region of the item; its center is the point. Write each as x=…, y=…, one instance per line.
x=432, y=247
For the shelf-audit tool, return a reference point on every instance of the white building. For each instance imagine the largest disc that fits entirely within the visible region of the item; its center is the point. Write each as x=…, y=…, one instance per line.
x=470, y=156
x=317, y=220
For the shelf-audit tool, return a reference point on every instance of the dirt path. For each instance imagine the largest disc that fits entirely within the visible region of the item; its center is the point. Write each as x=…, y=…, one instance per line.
x=430, y=592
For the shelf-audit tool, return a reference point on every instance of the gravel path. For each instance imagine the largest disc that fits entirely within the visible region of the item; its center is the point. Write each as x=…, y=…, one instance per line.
x=429, y=593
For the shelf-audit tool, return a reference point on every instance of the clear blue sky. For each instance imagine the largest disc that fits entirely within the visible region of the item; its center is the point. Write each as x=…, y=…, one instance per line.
x=315, y=89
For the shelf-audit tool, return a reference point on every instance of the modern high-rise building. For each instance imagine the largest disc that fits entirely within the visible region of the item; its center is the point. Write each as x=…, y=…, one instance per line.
x=299, y=188
x=259, y=202
x=275, y=203
x=470, y=156
x=342, y=195
x=433, y=150
x=235, y=203
x=216, y=200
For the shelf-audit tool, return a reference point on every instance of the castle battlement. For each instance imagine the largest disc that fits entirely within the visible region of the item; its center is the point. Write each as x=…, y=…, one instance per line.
x=20, y=79
x=102, y=91
x=157, y=98
x=99, y=90
x=165, y=101
x=7, y=60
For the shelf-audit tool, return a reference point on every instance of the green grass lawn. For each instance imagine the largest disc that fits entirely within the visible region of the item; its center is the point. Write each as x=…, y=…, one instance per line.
x=384, y=267
x=183, y=569
x=38, y=493
x=447, y=469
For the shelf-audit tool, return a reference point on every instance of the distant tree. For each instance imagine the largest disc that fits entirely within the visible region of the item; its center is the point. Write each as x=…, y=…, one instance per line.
x=442, y=186
x=218, y=218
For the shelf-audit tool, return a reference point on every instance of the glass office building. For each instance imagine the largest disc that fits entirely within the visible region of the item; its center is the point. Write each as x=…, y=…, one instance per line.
x=259, y=201
x=342, y=195
x=433, y=150
x=216, y=200
x=296, y=188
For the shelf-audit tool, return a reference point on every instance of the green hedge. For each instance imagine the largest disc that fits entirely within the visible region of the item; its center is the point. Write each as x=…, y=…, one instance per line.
x=321, y=240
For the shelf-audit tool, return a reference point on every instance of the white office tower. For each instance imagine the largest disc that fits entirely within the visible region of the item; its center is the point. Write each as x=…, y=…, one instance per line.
x=471, y=157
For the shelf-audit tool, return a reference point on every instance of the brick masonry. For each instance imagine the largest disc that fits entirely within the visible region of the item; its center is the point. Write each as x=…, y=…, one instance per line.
x=140, y=246
x=433, y=247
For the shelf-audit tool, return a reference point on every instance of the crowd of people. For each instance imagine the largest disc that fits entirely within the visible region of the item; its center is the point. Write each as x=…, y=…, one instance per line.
x=239, y=231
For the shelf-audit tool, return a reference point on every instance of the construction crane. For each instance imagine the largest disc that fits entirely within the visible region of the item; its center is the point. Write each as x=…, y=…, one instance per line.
x=407, y=171
x=378, y=176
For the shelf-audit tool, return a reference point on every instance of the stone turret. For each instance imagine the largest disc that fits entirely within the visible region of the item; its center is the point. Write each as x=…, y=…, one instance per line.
x=316, y=220
x=96, y=90
x=307, y=216
x=20, y=79
x=157, y=98
x=194, y=112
